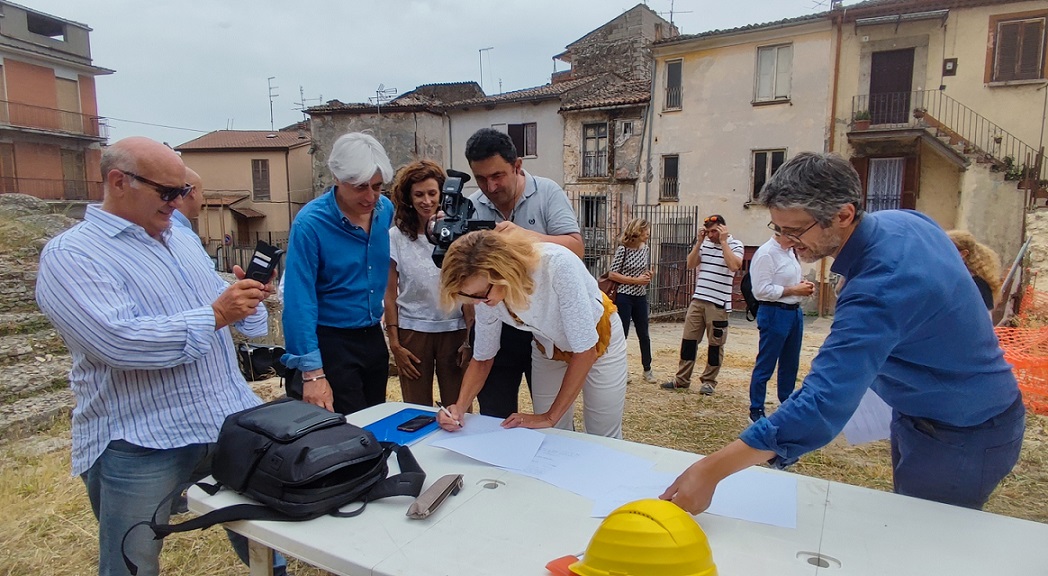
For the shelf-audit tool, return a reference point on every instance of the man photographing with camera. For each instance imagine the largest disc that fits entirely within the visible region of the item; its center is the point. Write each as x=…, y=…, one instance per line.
x=513, y=198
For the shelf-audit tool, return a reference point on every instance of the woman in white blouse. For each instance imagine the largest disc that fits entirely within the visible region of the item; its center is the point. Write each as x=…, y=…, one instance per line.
x=545, y=289
x=423, y=337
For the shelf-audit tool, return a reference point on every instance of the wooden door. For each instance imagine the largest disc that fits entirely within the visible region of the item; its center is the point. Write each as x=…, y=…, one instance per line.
x=891, y=80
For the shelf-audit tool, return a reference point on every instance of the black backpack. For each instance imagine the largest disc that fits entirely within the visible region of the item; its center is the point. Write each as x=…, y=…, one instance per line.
x=752, y=304
x=301, y=462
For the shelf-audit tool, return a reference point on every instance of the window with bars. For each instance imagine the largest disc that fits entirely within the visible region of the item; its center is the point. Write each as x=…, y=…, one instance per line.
x=774, y=68
x=673, y=85
x=765, y=163
x=260, y=179
x=525, y=138
x=595, y=150
x=668, y=188
x=884, y=187
x=1018, y=49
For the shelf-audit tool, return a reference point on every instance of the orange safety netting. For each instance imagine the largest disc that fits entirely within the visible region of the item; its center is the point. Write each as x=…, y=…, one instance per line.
x=1026, y=349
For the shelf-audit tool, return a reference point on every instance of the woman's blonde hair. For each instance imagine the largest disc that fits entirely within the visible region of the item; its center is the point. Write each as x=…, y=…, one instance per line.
x=502, y=258
x=631, y=234
x=981, y=260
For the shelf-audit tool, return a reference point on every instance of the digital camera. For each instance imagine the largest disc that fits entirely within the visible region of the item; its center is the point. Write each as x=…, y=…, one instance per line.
x=457, y=221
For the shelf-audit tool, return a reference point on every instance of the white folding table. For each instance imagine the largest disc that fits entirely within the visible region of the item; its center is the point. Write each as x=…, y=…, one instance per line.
x=507, y=524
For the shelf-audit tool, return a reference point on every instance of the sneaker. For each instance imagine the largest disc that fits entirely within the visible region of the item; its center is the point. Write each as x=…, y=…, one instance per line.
x=706, y=390
x=671, y=385
x=649, y=376
x=756, y=414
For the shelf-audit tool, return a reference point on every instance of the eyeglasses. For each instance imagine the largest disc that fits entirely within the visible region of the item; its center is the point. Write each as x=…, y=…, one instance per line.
x=711, y=220
x=791, y=236
x=167, y=193
x=476, y=297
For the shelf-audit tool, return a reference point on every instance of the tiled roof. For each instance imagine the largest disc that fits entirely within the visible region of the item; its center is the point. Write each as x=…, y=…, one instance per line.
x=223, y=199
x=441, y=93
x=410, y=105
x=613, y=93
x=246, y=140
x=544, y=92
x=747, y=28
x=888, y=7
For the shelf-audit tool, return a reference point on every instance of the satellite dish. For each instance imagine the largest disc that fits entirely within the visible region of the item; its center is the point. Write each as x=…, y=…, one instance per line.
x=381, y=87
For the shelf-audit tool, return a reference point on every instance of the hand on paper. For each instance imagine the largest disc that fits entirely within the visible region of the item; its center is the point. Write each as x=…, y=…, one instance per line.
x=453, y=422
x=533, y=421
x=692, y=490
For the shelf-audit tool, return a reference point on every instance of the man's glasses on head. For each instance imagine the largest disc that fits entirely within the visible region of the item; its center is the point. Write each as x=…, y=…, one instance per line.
x=167, y=193
x=791, y=236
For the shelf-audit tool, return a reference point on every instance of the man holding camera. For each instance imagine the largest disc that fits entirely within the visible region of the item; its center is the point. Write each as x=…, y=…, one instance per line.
x=718, y=257
x=515, y=199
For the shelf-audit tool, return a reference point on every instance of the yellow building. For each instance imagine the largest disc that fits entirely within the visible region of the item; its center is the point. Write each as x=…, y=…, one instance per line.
x=941, y=106
x=255, y=182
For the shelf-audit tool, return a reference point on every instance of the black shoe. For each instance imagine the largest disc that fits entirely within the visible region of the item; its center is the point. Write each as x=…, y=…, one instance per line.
x=756, y=414
x=672, y=385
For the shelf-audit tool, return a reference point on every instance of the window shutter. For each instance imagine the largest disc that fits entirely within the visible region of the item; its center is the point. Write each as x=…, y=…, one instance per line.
x=911, y=183
x=784, y=59
x=516, y=134
x=1031, y=48
x=765, y=73
x=1007, y=51
x=862, y=166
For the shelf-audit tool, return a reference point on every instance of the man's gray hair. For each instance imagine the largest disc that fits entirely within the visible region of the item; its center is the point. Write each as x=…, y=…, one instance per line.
x=356, y=157
x=819, y=183
x=117, y=158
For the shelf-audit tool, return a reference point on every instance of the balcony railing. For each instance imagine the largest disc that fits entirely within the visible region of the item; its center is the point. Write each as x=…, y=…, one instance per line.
x=673, y=98
x=668, y=189
x=52, y=120
x=933, y=110
x=52, y=189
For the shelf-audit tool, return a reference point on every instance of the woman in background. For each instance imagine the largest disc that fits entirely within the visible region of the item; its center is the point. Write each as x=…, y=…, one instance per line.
x=545, y=289
x=983, y=264
x=423, y=337
x=630, y=268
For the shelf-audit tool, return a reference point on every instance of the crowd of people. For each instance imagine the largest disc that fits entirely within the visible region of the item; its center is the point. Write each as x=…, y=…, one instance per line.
x=146, y=320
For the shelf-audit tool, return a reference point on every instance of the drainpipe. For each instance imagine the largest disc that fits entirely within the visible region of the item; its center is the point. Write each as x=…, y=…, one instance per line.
x=287, y=174
x=839, y=19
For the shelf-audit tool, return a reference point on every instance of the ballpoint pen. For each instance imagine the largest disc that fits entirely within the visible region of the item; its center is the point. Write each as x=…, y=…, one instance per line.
x=448, y=414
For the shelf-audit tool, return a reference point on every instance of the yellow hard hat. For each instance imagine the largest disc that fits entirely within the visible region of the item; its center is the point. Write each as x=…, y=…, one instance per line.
x=644, y=538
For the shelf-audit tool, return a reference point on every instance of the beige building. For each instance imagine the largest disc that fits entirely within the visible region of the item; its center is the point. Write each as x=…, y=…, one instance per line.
x=941, y=106
x=729, y=107
x=255, y=182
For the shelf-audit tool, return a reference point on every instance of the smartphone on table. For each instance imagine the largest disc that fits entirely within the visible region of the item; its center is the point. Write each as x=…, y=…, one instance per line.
x=417, y=423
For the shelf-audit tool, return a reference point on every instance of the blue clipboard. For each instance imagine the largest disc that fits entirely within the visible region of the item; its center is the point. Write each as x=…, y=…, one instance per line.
x=385, y=430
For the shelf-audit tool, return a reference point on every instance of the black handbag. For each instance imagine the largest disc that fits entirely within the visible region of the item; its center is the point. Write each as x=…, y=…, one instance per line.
x=300, y=462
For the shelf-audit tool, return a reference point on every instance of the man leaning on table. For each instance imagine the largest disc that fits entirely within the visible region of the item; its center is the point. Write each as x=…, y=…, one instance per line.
x=903, y=326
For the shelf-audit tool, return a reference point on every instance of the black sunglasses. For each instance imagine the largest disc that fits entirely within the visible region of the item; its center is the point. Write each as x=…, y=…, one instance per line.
x=167, y=193
x=476, y=297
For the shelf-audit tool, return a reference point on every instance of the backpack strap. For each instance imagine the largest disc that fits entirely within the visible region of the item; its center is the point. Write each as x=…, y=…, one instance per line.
x=408, y=483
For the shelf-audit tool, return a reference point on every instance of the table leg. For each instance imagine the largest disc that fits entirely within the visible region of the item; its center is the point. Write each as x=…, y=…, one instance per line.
x=260, y=559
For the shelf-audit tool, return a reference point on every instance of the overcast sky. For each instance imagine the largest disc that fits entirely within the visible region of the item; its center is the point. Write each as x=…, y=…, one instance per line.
x=203, y=64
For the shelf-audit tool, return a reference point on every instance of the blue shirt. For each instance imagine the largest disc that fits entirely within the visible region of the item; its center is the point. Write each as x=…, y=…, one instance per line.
x=335, y=275
x=910, y=323
x=148, y=365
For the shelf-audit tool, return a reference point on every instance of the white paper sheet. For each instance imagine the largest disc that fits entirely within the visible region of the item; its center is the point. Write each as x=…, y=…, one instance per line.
x=757, y=496
x=643, y=484
x=585, y=468
x=871, y=421
x=505, y=448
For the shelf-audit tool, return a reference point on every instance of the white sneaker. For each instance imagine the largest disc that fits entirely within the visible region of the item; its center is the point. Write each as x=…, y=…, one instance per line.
x=649, y=376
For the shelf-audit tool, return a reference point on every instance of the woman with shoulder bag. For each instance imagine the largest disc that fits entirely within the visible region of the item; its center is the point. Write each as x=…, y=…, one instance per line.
x=631, y=270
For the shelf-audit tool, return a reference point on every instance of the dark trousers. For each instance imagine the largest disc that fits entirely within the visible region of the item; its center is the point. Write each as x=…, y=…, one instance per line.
x=636, y=308
x=781, y=332
x=356, y=363
x=954, y=465
x=498, y=397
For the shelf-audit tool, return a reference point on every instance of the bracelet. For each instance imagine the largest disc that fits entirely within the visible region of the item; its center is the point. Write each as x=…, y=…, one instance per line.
x=388, y=326
x=465, y=345
x=315, y=378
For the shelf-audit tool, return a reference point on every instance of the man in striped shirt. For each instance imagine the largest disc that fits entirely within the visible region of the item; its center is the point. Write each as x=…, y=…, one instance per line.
x=145, y=319
x=717, y=256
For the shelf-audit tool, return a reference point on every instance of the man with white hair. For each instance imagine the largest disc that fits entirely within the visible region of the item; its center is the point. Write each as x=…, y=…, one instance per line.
x=335, y=280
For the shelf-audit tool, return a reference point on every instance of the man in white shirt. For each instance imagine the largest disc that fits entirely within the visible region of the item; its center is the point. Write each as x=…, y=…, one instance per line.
x=778, y=284
x=717, y=256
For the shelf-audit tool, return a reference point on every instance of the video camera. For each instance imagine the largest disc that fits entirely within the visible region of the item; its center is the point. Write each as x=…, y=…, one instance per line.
x=458, y=211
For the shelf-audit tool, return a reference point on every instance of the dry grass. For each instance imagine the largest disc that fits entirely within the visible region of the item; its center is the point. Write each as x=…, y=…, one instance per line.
x=47, y=528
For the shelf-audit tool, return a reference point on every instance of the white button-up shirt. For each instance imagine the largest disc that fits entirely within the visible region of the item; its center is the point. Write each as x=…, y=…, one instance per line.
x=773, y=269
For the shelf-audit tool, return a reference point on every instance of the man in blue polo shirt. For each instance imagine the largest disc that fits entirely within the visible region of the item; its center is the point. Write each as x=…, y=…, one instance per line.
x=907, y=325
x=335, y=280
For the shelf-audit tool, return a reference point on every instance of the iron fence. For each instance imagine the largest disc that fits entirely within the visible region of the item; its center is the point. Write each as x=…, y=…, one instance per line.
x=239, y=250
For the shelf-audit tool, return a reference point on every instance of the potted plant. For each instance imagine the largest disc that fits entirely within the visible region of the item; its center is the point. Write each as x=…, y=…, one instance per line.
x=861, y=120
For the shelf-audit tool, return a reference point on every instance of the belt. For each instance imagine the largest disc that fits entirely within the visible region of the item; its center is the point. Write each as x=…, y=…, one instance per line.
x=782, y=305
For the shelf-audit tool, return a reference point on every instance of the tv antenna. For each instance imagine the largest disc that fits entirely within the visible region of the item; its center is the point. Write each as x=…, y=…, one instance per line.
x=272, y=95
x=302, y=100
x=382, y=95
x=672, y=12
x=480, y=53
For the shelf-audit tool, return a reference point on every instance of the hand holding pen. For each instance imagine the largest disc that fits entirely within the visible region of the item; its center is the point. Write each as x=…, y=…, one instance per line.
x=449, y=420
